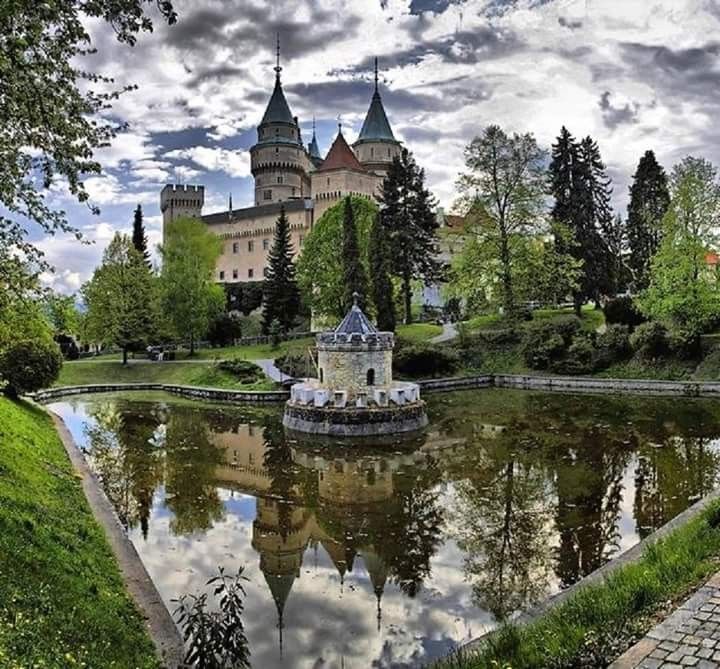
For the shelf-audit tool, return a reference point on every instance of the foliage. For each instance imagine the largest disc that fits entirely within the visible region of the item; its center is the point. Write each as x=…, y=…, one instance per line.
x=296, y=364
x=320, y=266
x=244, y=297
x=649, y=201
x=62, y=313
x=410, y=226
x=63, y=602
x=416, y=360
x=121, y=297
x=380, y=280
x=52, y=118
x=581, y=192
x=281, y=298
x=68, y=347
x=139, y=238
x=650, y=340
x=244, y=371
x=355, y=282
x=27, y=366
x=542, y=345
x=190, y=297
x=622, y=310
x=225, y=329
x=683, y=291
x=215, y=639
x=615, y=341
x=578, y=359
x=503, y=195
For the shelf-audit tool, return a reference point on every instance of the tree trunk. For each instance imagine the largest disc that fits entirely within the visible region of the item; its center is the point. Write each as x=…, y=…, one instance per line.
x=192, y=346
x=508, y=296
x=407, y=292
x=577, y=304
x=125, y=349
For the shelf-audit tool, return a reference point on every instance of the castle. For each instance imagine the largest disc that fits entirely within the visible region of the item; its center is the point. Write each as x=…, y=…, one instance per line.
x=292, y=175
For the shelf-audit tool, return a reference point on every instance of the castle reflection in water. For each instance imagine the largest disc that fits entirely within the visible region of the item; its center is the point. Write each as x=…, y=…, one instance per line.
x=521, y=494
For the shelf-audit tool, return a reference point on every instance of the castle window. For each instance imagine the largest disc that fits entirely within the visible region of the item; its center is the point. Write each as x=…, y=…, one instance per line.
x=301, y=240
x=322, y=375
x=267, y=195
x=372, y=152
x=388, y=153
x=250, y=273
x=277, y=150
x=235, y=274
x=236, y=247
x=279, y=180
x=371, y=377
x=266, y=244
x=266, y=271
x=222, y=275
x=251, y=246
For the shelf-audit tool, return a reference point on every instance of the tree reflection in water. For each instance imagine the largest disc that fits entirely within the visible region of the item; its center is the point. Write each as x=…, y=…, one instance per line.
x=531, y=488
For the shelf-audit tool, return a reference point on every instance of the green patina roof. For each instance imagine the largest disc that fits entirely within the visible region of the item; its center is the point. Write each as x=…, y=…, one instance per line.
x=278, y=110
x=313, y=148
x=376, y=125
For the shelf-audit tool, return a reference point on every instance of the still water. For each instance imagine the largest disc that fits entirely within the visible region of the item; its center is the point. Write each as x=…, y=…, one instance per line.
x=391, y=556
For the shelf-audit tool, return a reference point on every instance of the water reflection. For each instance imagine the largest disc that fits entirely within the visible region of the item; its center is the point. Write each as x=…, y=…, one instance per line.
x=388, y=557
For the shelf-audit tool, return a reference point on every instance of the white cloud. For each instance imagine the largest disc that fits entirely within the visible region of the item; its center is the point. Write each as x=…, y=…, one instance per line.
x=234, y=163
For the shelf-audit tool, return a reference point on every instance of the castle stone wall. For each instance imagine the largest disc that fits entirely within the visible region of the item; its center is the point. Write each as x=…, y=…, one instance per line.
x=344, y=370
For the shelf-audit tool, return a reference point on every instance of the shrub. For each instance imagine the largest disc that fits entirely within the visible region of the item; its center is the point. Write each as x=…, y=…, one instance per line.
x=27, y=366
x=68, y=347
x=579, y=358
x=243, y=370
x=616, y=341
x=542, y=345
x=425, y=360
x=224, y=330
x=650, y=340
x=567, y=327
x=622, y=311
x=684, y=344
x=295, y=364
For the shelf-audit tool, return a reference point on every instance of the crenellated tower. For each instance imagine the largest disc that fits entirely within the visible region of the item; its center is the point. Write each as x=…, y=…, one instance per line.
x=376, y=146
x=178, y=200
x=278, y=161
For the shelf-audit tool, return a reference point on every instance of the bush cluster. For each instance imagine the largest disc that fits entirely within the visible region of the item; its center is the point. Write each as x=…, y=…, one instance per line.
x=425, y=360
x=243, y=370
x=27, y=366
x=622, y=311
x=562, y=347
x=653, y=340
x=224, y=330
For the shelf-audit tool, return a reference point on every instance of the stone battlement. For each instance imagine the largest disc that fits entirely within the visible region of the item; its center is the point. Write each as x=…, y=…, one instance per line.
x=182, y=188
x=339, y=341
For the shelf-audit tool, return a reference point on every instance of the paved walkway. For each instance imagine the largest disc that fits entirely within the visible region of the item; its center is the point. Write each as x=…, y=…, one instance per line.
x=690, y=637
x=448, y=334
x=271, y=371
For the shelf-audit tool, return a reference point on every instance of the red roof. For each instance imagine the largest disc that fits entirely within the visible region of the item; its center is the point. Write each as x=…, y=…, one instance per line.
x=341, y=156
x=711, y=258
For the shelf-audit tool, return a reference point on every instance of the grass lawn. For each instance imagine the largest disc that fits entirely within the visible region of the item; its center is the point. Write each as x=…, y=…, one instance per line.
x=62, y=600
x=591, y=318
x=204, y=374
x=595, y=625
x=418, y=332
x=253, y=352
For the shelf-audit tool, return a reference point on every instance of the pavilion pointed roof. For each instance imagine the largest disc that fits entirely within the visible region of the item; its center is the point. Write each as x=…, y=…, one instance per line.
x=376, y=125
x=355, y=322
x=341, y=156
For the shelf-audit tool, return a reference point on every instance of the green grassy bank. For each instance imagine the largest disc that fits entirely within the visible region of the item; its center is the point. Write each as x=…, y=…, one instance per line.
x=203, y=374
x=594, y=626
x=62, y=600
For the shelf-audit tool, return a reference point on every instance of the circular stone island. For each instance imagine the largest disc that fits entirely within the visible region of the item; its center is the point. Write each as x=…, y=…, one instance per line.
x=355, y=395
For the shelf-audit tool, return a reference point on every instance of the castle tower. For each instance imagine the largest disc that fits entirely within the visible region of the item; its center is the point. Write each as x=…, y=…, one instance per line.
x=314, y=149
x=376, y=146
x=278, y=161
x=177, y=201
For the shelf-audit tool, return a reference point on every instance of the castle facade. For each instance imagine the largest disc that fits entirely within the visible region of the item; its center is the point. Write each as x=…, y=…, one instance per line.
x=293, y=175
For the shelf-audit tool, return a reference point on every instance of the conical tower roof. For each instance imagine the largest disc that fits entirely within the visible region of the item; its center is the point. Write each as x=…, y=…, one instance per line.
x=278, y=110
x=376, y=125
x=280, y=586
x=341, y=156
x=355, y=322
x=313, y=148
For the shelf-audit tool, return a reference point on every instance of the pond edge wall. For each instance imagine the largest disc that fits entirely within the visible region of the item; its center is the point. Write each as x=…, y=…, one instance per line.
x=519, y=381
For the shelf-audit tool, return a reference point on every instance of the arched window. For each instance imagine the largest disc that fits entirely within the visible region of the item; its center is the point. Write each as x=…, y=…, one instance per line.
x=371, y=377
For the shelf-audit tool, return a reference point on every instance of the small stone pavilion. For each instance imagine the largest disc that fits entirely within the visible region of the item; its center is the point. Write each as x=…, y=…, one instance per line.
x=355, y=395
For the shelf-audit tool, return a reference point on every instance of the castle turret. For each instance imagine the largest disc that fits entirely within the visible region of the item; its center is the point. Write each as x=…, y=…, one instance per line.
x=314, y=149
x=278, y=161
x=177, y=200
x=376, y=146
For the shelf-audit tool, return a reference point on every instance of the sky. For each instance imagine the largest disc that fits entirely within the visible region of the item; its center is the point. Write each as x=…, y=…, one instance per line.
x=634, y=74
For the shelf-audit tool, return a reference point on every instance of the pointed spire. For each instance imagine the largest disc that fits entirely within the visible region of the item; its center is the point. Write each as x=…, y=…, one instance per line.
x=278, y=69
x=376, y=125
x=278, y=110
x=313, y=148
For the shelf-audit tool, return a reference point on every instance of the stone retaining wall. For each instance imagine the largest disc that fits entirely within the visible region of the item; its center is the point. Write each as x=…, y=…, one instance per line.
x=525, y=382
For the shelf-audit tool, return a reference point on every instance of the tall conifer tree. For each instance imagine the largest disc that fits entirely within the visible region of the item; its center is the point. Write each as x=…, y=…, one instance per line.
x=382, y=288
x=139, y=238
x=354, y=276
x=649, y=200
x=409, y=219
x=281, y=298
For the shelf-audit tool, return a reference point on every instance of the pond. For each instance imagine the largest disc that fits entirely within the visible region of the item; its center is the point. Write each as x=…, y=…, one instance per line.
x=391, y=556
